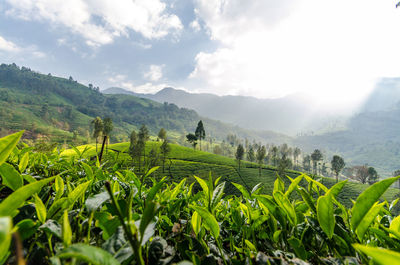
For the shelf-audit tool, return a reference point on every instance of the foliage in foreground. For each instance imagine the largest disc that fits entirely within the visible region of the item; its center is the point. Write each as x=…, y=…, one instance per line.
x=58, y=210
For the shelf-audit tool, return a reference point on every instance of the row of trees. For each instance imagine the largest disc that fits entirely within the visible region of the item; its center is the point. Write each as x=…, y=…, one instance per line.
x=137, y=148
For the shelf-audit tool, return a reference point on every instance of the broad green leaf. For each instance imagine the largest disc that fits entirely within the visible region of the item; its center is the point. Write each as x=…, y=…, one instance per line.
x=367, y=199
x=204, y=185
x=379, y=255
x=285, y=204
x=335, y=189
x=88, y=254
x=95, y=201
x=319, y=184
x=59, y=186
x=256, y=188
x=151, y=170
x=53, y=227
x=196, y=223
x=17, y=198
x=325, y=214
x=78, y=192
x=11, y=178
x=250, y=245
x=153, y=191
x=276, y=235
x=217, y=195
x=293, y=185
x=307, y=199
x=368, y=219
x=149, y=212
x=279, y=185
x=23, y=163
x=88, y=170
x=395, y=225
x=5, y=237
x=7, y=145
x=243, y=190
x=298, y=247
x=208, y=219
x=66, y=230
x=26, y=228
x=177, y=189
x=40, y=209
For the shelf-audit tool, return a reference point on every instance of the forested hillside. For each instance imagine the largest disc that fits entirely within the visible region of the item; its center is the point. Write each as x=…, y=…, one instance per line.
x=62, y=109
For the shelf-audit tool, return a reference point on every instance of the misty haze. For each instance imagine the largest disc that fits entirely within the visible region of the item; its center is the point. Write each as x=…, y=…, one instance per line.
x=199, y=132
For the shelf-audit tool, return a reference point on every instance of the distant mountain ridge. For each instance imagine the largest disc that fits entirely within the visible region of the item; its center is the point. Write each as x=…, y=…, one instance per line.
x=289, y=115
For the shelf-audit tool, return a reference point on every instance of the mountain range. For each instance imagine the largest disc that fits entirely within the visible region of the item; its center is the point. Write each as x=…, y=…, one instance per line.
x=290, y=115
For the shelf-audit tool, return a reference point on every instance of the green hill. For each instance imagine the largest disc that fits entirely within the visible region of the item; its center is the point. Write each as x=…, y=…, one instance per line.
x=186, y=162
x=56, y=107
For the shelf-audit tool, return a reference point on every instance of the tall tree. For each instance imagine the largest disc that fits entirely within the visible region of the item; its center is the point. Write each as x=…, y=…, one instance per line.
x=261, y=152
x=316, y=156
x=274, y=154
x=296, y=154
x=97, y=128
x=134, y=150
x=361, y=173
x=107, y=128
x=200, y=132
x=239, y=154
x=250, y=154
x=372, y=175
x=162, y=134
x=283, y=165
x=337, y=165
x=143, y=137
x=165, y=149
x=191, y=138
x=307, y=163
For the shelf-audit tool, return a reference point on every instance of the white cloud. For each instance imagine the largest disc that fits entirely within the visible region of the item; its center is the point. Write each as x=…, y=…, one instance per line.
x=14, y=51
x=100, y=21
x=154, y=73
x=8, y=46
x=333, y=51
x=195, y=25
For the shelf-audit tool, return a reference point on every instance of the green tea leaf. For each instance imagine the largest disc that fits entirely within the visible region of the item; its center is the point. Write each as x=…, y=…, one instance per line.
x=23, y=163
x=11, y=178
x=293, y=185
x=149, y=212
x=395, y=225
x=204, y=185
x=243, y=190
x=40, y=209
x=368, y=219
x=196, y=223
x=88, y=254
x=379, y=255
x=298, y=247
x=217, y=195
x=325, y=214
x=208, y=219
x=7, y=144
x=94, y=202
x=177, y=189
x=285, y=204
x=88, y=170
x=17, y=198
x=367, y=199
x=66, y=230
x=5, y=236
x=335, y=189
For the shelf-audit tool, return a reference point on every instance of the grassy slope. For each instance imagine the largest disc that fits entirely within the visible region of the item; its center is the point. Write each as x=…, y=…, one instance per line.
x=187, y=162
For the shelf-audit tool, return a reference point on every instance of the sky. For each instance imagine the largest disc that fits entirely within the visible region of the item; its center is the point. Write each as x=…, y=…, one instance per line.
x=333, y=52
